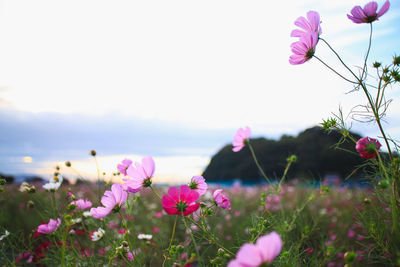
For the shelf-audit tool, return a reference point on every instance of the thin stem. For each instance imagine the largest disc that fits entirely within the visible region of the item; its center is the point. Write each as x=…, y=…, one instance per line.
x=204, y=227
x=193, y=240
x=155, y=192
x=64, y=244
x=173, y=232
x=393, y=202
x=366, y=56
x=329, y=67
x=98, y=178
x=284, y=173
x=258, y=164
x=340, y=59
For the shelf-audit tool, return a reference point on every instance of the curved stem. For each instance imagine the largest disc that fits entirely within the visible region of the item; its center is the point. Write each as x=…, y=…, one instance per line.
x=258, y=164
x=340, y=59
x=366, y=56
x=329, y=67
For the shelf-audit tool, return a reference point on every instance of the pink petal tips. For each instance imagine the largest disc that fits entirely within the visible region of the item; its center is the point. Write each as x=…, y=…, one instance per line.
x=265, y=250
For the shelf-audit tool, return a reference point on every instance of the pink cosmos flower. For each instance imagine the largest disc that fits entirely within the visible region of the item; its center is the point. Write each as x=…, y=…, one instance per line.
x=368, y=14
x=368, y=147
x=198, y=183
x=311, y=24
x=179, y=201
x=240, y=139
x=304, y=49
x=141, y=175
x=82, y=204
x=124, y=166
x=221, y=200
x=112, y=201
x=265, y=250
x=47, y=228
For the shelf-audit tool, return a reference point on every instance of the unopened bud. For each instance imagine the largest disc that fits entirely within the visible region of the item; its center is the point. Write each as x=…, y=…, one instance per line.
x=377, y=64
x=350, y=256
x=383, y=184
x=30, y=204
x=93, y=153
x=125, y=244
x=396, y=60
x=367, y=200
x=68, y=164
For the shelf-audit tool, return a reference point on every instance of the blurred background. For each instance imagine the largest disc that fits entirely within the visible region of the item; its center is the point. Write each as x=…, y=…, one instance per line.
x=169, y=79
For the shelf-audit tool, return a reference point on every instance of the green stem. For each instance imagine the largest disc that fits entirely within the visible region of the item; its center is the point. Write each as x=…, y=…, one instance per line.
x=155, y=192
x=98, y=179
x=366, y=56
x=258, y=164
x=393, y=202
x=204, y=228
x=285, y=173
x=64, y=245
x=173, y=232
x=329, y=67
x=193, y=240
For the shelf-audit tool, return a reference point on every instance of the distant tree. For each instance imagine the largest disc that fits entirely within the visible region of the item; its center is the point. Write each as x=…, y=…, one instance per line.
x=9, y=178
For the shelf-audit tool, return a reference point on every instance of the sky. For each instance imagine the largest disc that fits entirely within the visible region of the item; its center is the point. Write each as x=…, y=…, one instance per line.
x=170, y=79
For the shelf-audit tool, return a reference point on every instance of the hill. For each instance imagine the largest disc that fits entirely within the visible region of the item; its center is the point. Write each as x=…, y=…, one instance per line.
x=314, y=148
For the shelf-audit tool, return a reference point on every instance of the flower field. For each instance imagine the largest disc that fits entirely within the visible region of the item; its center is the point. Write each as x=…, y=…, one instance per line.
x=285, y=222
x=318, y=226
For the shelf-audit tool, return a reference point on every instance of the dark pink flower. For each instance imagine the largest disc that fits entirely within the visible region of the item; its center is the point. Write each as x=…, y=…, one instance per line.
x=265, y=250
x=241, y=138
x=311, y=24
x=141, y=175
x=82, y=204
x=221, y=200
x=124, y=166
x=112, y=200
x=47, y=228
x=179, y=201
x=368, y=14
x=198, y=183
x=368, y=147
x=304, y=49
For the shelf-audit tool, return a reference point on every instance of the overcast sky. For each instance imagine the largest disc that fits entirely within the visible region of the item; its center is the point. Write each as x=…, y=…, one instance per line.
x=171, y=79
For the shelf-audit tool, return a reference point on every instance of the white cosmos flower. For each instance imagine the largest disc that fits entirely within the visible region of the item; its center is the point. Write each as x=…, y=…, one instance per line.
x=87, y=214
x=54, y=183
x=144, y=236
x=97, y=235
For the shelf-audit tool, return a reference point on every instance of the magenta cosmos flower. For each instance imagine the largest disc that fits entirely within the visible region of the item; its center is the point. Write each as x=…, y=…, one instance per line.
x=141, y=175
x=254, y=255
x=304, y=49
x=311, y=24
x=221, y=200
x=47, y=228
x=240, y=139
x=368, y=147
x=198, y=183
x=124, y=166
x=368, y=14
x=82, y=204
x=180, y=201
x=112, y=201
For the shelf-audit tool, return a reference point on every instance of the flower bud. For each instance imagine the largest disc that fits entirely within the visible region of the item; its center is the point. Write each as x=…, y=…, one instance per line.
x=377, y=64
x=386, y=78
x=385, y=70
x=350, y=256
x=125, y=244
x=93, y=152
x=367, y=200
x=292, y=158
x=30, y=204
x=396, y=60
x=68, y=164
x=71, y=207
x=383, y=184
x=3, y=181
